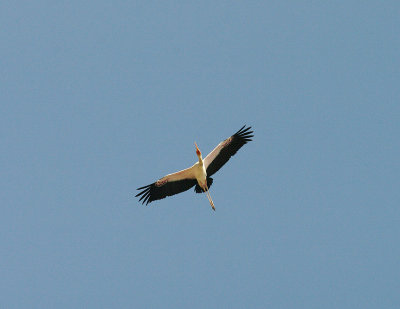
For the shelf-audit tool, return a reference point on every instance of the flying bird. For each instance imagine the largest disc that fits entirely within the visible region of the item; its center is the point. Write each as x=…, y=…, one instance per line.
x=199, y=174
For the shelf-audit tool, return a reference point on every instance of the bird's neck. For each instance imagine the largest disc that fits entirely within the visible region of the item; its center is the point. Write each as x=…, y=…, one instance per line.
x=200, y=160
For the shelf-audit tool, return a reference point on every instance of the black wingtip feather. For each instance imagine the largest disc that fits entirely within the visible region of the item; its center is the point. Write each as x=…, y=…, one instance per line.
x=245, y=135
x=144, y=187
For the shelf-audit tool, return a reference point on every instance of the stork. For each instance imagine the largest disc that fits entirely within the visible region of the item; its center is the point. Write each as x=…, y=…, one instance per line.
x=199, y=174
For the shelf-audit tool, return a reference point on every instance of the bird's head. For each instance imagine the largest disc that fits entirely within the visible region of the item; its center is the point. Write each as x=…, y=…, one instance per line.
x=198, y=152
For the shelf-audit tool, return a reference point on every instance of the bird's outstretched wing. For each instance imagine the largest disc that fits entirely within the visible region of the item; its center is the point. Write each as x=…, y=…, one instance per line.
x=226, y=149
x=168, y=185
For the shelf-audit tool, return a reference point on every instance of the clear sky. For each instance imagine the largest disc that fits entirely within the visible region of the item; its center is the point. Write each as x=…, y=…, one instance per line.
x=101, y=97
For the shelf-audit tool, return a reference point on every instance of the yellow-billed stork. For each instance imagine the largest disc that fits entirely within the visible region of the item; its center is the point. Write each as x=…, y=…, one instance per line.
x=199, y=174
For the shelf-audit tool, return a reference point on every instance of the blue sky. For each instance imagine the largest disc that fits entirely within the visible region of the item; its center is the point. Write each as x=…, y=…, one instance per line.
x=99, y=98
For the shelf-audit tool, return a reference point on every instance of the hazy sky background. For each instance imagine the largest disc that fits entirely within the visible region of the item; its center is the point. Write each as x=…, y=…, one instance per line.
x=101, y=97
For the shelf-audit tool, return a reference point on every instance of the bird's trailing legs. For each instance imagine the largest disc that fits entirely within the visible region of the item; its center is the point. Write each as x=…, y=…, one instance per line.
x=209, y=197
